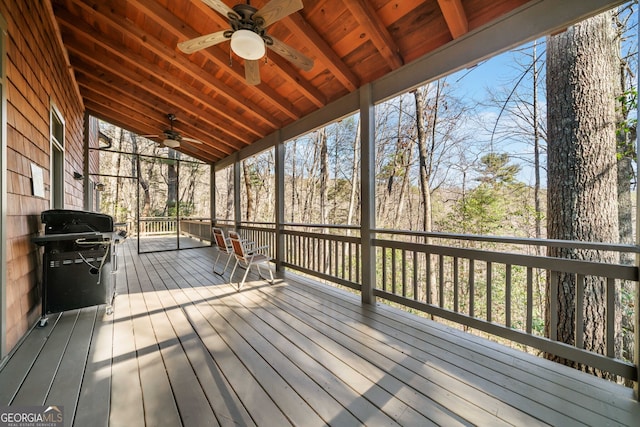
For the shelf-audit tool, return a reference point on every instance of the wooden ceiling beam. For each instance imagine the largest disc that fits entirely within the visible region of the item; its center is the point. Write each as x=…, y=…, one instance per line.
x=369, y=20
x=455, y=17
x=147, y=125
x=138, y=62
x=177, y=103
x=117, y=118
x=101, y=93
x=322, y=51
x=115, y=87
x=184, y=32
x=104, y=15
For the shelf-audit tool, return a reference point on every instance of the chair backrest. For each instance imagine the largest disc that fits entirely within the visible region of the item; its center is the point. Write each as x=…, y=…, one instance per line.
x=218, y=234
x=238, y=247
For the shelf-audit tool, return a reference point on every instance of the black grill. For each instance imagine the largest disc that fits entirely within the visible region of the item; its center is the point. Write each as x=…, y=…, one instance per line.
x=78, y=260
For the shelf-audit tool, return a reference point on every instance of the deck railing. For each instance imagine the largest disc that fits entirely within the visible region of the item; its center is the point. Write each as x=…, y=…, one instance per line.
x=199, y=228
x=494, y=285
x=500, y=286
x=331, y=253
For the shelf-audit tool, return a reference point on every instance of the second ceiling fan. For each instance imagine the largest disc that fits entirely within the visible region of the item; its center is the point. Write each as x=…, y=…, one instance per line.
x=170, y=137
x=248, y=34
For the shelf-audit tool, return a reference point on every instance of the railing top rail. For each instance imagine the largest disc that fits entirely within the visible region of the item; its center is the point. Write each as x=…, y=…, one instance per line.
x=518, y=240
x=333, y=226
x=249, y=223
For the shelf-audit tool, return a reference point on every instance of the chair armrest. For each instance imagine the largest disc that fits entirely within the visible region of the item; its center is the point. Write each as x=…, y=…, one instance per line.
x=254, y=251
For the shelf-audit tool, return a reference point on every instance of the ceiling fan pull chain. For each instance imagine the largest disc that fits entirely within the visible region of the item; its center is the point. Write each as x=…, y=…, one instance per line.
x=230, y=58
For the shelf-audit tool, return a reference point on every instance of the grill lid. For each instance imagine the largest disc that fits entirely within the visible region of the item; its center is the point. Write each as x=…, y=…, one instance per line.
x=63, y=221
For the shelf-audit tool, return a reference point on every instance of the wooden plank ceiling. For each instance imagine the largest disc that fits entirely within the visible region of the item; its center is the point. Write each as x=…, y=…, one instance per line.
x=130, y=72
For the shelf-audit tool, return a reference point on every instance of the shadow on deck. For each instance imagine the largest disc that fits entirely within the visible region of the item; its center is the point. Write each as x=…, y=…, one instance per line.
x=184, y=348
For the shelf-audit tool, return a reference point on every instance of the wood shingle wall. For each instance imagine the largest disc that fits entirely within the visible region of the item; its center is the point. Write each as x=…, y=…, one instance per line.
x=37, y=77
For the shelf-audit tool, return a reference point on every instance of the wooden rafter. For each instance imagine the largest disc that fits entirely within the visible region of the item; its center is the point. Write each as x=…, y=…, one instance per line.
x=130, y=72
x=107, y=17
x=91, y=84
x=455, y=17
x=378, y=33
x=322, y=51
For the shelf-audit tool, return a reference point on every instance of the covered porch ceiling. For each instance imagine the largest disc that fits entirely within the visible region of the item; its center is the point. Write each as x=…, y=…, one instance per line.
x=129, y=71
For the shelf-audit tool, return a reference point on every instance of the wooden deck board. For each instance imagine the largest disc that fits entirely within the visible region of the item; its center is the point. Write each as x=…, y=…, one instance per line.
x=292, y=374
x=65, y=388
x=191, y=401
x=35, y=388
x=184, y=348
x=489, y=367
x=17, y=368
x=95, y=395
x=452, y=382
x=126, y=391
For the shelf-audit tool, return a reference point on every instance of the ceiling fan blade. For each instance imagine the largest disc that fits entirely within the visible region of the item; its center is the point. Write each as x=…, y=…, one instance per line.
x=252, y=71
x=202, y=42
x=219, y=7
x=291, y=55
x=192, y=140
x=277, y=9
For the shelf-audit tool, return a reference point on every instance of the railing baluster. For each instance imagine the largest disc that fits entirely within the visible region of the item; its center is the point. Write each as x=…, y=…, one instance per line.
x=472, y=287
x=393, y=270
x=350, y=261
x=429, y=284
x=579, y=307
x=553, y=305
x=414, y=265
x=441, y=280
x=489, y=286
x=611, y=317
x=358, y=258
x=343, y=259
x=404, y=273
x=529, y=321
x=384, y=268
x=456, y=274
x=507, y=292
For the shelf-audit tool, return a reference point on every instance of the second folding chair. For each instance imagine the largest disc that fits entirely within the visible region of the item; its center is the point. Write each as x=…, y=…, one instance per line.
x=224, y=246
x=247, y=259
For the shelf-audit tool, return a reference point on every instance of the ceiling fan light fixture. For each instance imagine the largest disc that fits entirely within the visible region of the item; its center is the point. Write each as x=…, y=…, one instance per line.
x=171, y=143
x=247, y=44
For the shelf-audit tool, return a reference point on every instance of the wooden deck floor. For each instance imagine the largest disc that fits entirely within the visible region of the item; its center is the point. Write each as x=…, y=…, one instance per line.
x=184, y=348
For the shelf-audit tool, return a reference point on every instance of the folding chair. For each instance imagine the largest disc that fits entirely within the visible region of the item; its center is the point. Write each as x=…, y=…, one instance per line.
x=254, y=257
x=224, y=246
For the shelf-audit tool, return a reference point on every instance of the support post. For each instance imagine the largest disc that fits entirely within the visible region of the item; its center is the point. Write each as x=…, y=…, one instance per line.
x=212, y=196
x=367, y=192
x=636, y=326
x=279, y=149
x=237, y=210
x=87, y=201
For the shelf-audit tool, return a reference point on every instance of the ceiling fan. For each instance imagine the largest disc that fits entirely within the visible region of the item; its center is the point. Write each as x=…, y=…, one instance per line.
x=172, y=138
x=248, y=34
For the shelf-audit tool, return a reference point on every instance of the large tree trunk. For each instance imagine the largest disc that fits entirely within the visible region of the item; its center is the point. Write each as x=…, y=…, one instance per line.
x=172, y=183
x=582, y=203
x=420, y=96
x=324, y=174
x=354, y=177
